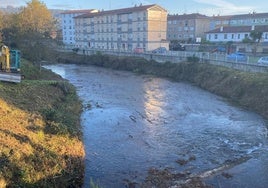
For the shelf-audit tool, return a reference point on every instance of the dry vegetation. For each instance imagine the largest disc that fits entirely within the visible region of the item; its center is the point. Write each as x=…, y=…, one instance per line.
x=40, y=136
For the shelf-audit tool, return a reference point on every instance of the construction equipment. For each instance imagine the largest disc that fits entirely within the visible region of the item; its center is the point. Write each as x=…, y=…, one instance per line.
x=9, y=65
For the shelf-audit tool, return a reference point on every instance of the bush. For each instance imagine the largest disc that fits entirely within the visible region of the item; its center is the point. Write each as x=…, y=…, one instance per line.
x=193, y=59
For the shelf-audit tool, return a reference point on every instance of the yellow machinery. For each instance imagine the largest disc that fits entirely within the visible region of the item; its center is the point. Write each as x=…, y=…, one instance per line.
x=9, y=65
x=5, y=59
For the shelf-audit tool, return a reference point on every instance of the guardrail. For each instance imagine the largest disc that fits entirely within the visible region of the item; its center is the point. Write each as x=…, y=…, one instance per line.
x=181, y=56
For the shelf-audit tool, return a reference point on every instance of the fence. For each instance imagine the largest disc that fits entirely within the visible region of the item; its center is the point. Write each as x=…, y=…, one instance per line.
x=249, y=65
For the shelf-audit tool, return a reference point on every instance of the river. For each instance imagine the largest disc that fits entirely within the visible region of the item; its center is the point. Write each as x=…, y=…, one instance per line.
x=138, y=122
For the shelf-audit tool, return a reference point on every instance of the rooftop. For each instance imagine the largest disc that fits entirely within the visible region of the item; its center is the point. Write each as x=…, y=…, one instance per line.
x=85, y=11
x=187, y=16
x=120, y=11
x=239, y=29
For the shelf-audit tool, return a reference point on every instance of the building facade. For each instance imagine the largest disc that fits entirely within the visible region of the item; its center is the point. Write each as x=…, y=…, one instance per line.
x=235, y=33
x=123, y=29
x=249, y=19
x=187, y=27
x=68, y=26
x=239, y=20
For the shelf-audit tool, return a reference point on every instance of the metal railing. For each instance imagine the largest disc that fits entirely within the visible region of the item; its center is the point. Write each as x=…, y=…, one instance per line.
x=249, y=64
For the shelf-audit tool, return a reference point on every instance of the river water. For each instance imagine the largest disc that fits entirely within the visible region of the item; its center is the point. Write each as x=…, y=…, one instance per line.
x=138, y=122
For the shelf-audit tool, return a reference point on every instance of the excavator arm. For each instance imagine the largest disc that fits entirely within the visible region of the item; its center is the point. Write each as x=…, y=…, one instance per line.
x=5, y=59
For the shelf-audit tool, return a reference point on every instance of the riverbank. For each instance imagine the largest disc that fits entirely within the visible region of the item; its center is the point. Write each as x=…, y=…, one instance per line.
x=40, y=134
x=248, y=90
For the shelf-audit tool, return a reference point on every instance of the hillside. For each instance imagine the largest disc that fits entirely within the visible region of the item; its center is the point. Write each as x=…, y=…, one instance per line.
x=40, y=136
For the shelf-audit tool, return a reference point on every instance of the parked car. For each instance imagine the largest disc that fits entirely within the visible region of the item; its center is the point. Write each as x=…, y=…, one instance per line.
x=237, y=56
x=159, y=50
x=263, y=60
x=176, y=47
x=219, y=49
x=138, y=50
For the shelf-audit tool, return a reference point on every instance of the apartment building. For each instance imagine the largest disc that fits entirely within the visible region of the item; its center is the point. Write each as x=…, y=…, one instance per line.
x=236, y=28
x=187, y=27
x=235, y=33
x=219, y=21
x=68, y=26
x=239, y=20
x=249, y=19
x=123, y=29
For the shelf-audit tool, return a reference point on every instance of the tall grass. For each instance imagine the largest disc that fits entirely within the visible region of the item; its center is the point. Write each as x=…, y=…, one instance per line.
x=40, y=136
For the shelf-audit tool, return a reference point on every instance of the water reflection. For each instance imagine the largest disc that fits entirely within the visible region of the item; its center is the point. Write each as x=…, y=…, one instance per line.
x=154, y=102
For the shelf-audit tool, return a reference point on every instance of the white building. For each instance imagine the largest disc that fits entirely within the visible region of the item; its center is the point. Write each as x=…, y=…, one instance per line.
x=235, y=33
x=68, y=25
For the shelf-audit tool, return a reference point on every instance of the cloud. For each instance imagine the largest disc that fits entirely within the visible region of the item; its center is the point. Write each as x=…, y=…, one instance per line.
x=63, y=6
x=224, y=7
x=15, y=3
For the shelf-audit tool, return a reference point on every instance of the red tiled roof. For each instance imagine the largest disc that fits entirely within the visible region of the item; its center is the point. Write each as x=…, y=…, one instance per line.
x=85, y=11
x=118, y=11
x=253, y=15
x=187, y=16
x=239, y=29
x=241, y=16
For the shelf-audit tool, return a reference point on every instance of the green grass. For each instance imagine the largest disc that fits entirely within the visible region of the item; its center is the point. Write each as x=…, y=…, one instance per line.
x=40, y=136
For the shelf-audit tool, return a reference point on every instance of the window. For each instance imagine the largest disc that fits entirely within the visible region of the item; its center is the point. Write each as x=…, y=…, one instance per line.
x=215, y=36
x=225, y=36
x=129, y=16
x=232, y=36
x=238, y=36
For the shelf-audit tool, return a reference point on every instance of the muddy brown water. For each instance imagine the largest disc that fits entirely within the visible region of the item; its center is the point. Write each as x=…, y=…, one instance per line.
x=138, y=122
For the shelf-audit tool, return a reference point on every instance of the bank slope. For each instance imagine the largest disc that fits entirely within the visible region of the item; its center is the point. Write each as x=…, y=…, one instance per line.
x=40, y=135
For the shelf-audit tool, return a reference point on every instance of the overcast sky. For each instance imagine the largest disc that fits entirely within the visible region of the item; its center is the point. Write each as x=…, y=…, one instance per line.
x=208, y=7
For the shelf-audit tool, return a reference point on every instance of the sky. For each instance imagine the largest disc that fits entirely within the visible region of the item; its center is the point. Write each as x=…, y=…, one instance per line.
x=207, y=7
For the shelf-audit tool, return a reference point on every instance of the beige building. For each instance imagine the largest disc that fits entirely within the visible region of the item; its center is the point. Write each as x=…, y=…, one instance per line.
x=123, y=29
x=187, y=27
x=68, y=25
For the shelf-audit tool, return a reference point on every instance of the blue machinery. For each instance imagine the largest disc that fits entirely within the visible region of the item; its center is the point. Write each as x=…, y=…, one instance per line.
x=9, y=65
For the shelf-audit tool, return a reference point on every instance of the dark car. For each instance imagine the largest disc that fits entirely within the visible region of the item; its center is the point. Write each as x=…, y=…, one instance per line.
x=237, y=56
x=177, y=47
x=159, y=50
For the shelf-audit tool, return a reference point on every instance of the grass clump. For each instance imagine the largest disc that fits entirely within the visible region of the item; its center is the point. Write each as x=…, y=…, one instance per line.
x=40, y=136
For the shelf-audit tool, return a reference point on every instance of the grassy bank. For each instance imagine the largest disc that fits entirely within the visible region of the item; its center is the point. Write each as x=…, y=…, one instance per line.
x=40, y=136
x=249, y=90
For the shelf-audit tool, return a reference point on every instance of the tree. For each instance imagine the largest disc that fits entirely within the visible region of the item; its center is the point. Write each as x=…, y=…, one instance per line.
x=254, y=39
x=256, y=36
x=1, y=26
x=35, y=17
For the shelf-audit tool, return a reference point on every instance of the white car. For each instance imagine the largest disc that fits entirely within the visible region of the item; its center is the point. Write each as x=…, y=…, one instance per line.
x=263, y=60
